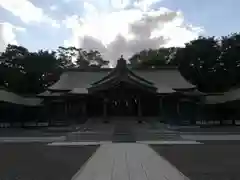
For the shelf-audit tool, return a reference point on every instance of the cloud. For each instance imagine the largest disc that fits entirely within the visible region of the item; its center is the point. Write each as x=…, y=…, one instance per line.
x=120, y=4
x=144, y=5
x=7, y=34
x=27, y=12
x=53, y=7
x=125, y=31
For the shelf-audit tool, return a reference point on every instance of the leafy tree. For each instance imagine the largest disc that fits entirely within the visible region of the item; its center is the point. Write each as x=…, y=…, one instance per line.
x=82, y=59
x=230, y=58
x=39, y=68
x=27, y=72
x=96, y=59
x=90, y=58
x=65, y=56
x=198, y=60
x=153, y=58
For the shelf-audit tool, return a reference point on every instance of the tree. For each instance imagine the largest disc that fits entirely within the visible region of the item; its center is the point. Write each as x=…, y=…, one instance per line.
x=28, y=72
x=198, y=62
x=82, y=59
x=90, y=58
x=96, y=59
x=65, y=56
x=38, y=69
x=12, y=70
x=153, y=58
x=230, y=58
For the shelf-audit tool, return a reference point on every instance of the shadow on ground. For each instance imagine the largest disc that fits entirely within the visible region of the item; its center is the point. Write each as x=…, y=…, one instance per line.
x=40, y=162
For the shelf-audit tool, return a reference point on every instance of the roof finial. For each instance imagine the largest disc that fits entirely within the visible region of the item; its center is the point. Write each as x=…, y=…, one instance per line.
x=121, y=62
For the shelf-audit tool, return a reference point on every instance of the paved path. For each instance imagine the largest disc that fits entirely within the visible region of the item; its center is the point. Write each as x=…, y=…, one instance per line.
x=127, y=161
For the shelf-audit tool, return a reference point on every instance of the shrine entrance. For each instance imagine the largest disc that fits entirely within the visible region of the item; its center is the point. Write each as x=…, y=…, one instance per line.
x=122, y=92
x=123, y=107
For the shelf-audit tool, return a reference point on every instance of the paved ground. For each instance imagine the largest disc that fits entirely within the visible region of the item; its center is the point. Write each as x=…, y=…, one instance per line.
x=33, y=132
x=213, y=129
x=128, y=161
x=215, y=160
x=211, y=137
x=37, y=161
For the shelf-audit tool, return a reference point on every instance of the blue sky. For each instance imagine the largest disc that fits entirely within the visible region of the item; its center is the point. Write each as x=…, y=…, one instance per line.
x=114, y=27
x=218, y=17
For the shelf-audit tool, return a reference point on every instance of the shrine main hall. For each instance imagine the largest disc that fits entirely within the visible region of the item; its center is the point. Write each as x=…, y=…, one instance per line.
x=121, y=92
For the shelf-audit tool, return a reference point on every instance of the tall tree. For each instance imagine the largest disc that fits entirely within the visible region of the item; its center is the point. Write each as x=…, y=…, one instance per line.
x=197, y=62
x=90, y=58
x=230, y=58
x=11, y=66
x=153, y=58
x=28, y=72
x=39, y=69
x=96, y=59
x=66, y=56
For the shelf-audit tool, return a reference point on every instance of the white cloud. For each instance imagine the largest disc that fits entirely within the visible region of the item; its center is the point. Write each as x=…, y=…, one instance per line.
x=127, y=31
x=7, y=34
x=53, y=7
x=27, y=11
x=144, y=5
x=119, y=4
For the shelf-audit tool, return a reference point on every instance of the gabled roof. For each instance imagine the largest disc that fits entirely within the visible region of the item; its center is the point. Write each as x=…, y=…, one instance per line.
x=9, y=97
x=168, y=79
x=122, y=74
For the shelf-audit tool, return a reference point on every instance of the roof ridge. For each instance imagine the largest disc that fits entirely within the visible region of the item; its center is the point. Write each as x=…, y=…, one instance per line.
x=110, y=69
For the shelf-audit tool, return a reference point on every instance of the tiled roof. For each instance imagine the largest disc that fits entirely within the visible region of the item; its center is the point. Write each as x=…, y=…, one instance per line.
x=9, y=97
x=231, y=95
x=80, y=79
x=167, y=78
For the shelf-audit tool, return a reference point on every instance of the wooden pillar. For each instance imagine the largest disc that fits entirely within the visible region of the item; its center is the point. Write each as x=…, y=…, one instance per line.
x=161, y=115
x=178, y=114
x=105, y=110
x=65, y=109
x=84, y=109
x=139, y=110
x=178, y=108
x=160, y=106
x=105, y=113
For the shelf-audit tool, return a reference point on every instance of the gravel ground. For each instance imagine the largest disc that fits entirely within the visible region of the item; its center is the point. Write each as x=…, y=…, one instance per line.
x=211, y=161
x=37, y=161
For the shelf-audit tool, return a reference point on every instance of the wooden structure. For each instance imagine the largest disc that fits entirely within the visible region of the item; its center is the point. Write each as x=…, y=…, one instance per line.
x=83, y=93
x=16, y=108
x=223, y=107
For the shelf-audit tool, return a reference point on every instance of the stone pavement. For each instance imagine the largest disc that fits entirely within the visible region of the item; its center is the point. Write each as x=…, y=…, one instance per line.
x=127, y=161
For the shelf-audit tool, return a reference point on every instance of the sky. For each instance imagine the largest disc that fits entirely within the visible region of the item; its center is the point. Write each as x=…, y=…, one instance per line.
x=114, y=27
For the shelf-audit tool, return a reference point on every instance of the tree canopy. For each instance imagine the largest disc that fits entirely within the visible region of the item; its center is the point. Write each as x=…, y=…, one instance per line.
x=28, y=72
x=210, y=63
